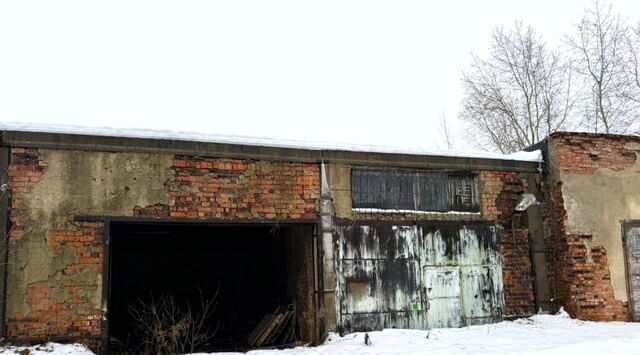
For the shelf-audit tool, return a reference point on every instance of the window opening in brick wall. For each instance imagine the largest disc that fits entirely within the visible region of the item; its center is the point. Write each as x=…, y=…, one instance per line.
x=414, y=190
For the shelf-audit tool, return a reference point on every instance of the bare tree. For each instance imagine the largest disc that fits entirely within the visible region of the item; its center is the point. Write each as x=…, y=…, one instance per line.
x=631, y=88
x=519, y=94
x=445, y=131
x=601, y=49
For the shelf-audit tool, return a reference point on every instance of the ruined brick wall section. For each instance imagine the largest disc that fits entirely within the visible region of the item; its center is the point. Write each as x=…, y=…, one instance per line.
x=247, y=189
x=579, y=273
x=584, y=286
x=500, y=192
x=25, y=169
x=59, y=305
x=582, y=153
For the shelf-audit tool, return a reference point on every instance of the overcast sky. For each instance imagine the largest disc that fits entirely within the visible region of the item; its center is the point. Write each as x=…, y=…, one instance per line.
x=347, y=71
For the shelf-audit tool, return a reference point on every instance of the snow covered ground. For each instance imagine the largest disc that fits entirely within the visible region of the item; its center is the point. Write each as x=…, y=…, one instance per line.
x=47, y=349
x=540, y=334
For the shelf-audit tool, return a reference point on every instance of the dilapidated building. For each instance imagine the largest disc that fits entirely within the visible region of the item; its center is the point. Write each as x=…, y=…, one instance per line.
x=355, y=240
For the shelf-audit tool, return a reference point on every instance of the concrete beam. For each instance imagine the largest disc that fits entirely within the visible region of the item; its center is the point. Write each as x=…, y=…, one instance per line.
x=241, y=151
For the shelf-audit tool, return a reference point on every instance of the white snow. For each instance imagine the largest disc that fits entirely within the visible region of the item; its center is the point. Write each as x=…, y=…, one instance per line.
x=535, y=156
x=48, y=349
x=540, y=334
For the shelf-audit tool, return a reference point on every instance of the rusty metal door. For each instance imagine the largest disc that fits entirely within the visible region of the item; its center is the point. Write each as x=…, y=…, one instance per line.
x=392, y=276
x=631, y=237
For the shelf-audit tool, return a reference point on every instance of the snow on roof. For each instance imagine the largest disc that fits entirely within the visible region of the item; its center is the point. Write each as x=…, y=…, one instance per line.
x=535, y=156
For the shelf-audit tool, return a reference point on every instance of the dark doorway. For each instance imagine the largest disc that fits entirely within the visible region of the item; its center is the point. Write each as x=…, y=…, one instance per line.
x=249, y=269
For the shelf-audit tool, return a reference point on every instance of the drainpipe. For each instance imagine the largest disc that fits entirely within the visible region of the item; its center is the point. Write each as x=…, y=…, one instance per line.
x=327, y=278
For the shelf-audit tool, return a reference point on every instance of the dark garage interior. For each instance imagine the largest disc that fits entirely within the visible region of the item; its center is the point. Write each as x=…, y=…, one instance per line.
x=250, y=270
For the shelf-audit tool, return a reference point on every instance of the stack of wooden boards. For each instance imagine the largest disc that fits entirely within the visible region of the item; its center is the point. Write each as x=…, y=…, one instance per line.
x=277, y=328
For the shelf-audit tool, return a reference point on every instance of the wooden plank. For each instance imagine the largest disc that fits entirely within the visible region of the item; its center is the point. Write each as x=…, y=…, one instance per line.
x=277, y=331
x=285, y=331
x=259, y=329
x=268, y=329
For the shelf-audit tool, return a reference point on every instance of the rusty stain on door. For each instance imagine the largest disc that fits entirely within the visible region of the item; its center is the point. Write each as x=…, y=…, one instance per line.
x=631, y=236
x=417, y=276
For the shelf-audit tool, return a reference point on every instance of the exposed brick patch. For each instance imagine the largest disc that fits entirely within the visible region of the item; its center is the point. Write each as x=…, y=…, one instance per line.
x=157, y=210
x=584, y=282
x=85, y=241
x=61, y=306
x=585, y=153
x=517, y=274
x=500, y=192
x=26, y=168
x=231, y=188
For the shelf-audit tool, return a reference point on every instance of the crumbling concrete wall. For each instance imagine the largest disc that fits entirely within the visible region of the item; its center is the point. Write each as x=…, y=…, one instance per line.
x=594, y=184
x=56, y=263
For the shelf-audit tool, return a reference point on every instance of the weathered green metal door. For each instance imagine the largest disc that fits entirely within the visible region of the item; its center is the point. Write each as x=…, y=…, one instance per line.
x=418, y=276
x=462, y=276
x=442, y=285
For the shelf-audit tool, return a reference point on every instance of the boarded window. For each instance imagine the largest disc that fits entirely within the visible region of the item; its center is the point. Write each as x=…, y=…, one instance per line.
x=433, y=192
x=399, y=191
x=367, y=188
x=463, y=193
x=414, y=190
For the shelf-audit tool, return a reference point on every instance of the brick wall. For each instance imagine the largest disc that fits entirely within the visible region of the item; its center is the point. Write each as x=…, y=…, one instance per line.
x=63, y=304
x=579, y=270
x=500, y=193
x=228, y=188
x=60, y=305
x=26, y=168
x=583, y=153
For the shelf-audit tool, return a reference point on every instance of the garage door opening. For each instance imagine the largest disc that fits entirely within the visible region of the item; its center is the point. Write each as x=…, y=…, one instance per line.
x=251, y=270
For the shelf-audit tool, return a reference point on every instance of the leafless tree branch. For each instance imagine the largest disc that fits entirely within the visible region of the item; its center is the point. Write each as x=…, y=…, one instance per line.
x=517, y=95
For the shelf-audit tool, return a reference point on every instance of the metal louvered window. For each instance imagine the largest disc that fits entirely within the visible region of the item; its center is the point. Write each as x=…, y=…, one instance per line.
x=414, y=190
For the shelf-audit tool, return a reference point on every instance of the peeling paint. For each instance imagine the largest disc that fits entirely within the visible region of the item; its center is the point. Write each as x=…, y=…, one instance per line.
x=410, y=276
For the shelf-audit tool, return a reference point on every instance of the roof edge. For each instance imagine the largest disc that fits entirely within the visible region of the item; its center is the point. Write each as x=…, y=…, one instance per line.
x=88, y=142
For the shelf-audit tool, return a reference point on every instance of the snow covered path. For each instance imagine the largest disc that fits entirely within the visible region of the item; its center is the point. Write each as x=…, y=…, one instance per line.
x=540, y=334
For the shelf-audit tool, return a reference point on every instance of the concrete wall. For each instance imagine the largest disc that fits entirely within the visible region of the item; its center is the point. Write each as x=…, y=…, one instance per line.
x=55, y=264
x=594, y=185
